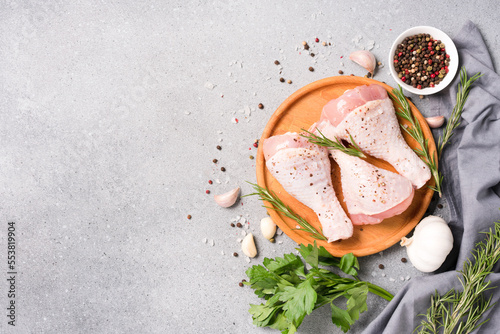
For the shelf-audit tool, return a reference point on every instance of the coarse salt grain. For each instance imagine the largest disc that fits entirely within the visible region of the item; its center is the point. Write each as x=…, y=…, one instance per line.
x=239, y=240
x=204, y=240
x=392, y=279
x=248, y=259
x=209, y=85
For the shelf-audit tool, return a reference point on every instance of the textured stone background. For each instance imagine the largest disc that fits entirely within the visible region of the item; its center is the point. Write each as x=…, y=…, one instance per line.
x=110, y=114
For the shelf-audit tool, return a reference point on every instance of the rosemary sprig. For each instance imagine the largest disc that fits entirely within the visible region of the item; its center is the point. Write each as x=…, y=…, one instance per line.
x=460, y=312
x=336, y=144
x=415, y=131
x=464, y=88
x=278, y=205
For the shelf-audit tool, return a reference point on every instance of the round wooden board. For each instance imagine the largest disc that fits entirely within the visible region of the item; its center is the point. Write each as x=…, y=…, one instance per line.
x=300, y=111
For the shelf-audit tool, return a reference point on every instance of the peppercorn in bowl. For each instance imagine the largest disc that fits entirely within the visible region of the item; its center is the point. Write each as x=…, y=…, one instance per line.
x=423, y=60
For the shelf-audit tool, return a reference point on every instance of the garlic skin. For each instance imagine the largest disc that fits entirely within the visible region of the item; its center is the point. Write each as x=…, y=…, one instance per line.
x=431, y=242
x=435, y=122
x=268, y=228
x=248, y=246
x=227, y=199
x=364, y=58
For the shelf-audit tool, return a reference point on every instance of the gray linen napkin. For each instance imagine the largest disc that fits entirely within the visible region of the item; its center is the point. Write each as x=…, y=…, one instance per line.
x=471, y=167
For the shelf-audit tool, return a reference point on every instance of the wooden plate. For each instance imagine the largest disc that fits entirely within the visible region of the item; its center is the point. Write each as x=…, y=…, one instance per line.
x=300, y=111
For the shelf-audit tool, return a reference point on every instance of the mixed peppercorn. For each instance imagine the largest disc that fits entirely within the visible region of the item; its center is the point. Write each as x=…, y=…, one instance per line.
x=421, y=61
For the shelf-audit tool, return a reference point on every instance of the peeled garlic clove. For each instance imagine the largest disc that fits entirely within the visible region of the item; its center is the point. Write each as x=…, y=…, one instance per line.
x=435, y=122
x=268, y=228
x=248, y=246
x=227, y=199
x=365, y=59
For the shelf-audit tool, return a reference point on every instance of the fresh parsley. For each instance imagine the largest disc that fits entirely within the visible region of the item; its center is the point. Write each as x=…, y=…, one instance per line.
x=292, y=291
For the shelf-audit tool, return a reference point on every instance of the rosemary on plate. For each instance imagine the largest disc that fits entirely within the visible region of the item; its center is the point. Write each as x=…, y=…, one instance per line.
x=461, y=312
x=415, y=131
x=336, y=144
x=278, y=205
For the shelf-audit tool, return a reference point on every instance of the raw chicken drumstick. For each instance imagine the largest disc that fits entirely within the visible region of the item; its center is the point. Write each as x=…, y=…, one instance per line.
x=367, y=114
x=304, y=171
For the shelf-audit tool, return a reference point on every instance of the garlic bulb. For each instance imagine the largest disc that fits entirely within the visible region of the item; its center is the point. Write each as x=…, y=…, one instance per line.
x=365, y=59
x=268, y=228
x=227, y=199
x=432, y=241
x=248, y=246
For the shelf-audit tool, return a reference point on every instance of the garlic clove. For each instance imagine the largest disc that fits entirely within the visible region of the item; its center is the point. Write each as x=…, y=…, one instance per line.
x=227, y=199
x=364, y=58
x=268, y=228
x=248, y=246
x=435, y=122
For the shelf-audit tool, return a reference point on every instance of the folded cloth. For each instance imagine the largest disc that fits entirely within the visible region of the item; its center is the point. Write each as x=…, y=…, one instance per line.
x=471, y=168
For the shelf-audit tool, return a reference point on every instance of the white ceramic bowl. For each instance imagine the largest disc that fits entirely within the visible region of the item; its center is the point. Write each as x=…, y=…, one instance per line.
x=450, y=49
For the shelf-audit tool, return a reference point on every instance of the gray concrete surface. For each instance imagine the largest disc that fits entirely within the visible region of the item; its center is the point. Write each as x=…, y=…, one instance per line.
x=110, y=114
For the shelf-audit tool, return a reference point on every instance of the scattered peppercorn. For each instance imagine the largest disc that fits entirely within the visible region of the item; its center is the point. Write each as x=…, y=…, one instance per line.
x=239, y=225
x=282, y=79
x=421, y=97
x=219, y=147
x=210, y=182
x=316, y=40
x=223, y=169
x=289, y=81
x=240, y=284
x=352, y=75
x=252, y=157
x=324, y=43
x=404, y=260
x=243, y=280
x=232, y=225
x=261, y=106
x=235, y=254
x=304, y=43
x=276, y=62
x=306, y=47
x=189, y=217
x=312, y=54
x=207, y=191
x=381, y=266
x=215, y=161
x=440, y=206
x=311, y=69
x=341, y=72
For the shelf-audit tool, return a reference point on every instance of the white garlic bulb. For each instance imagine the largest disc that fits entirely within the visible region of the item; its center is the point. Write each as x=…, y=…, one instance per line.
x=431, y=242
x=268, y=228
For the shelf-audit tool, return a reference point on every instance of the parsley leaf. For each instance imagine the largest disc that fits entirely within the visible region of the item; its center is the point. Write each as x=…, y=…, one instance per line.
x=292, y=292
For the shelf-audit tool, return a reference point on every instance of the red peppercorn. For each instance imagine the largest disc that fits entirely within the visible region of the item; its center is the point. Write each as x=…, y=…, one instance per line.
x=400, y=54
x=446, y=70
x=210, y=182
x=207, y=191
x=433, y=75
x=403, y=79
x=255, y=144
x=431, y=84
x=429, y=48
x=429, y=44
x=395, y=61
x=447, y=56
x=432, y=52
x=316, y=40
x=419, y=87
x=429, y=62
